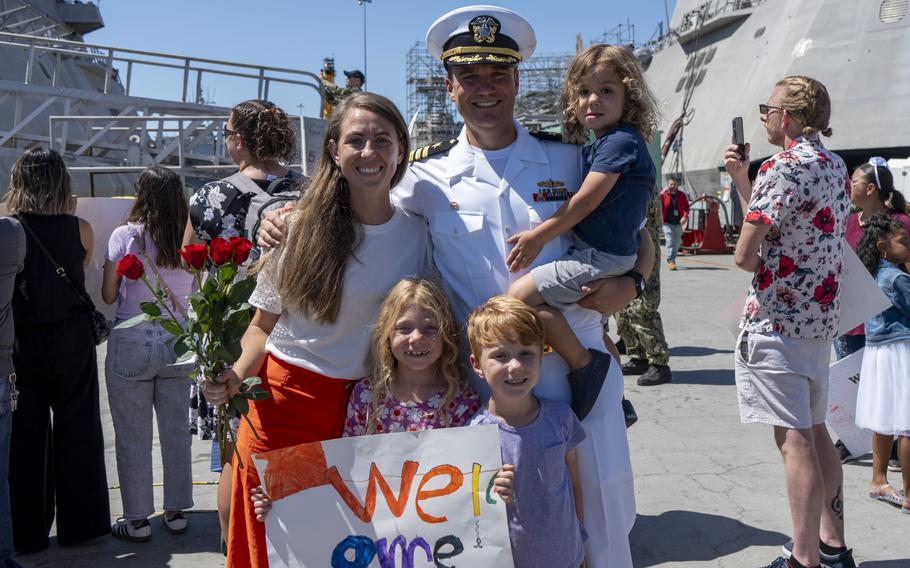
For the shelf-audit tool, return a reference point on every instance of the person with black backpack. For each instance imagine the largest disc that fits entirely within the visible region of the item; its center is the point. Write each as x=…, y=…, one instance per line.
x=259, y=138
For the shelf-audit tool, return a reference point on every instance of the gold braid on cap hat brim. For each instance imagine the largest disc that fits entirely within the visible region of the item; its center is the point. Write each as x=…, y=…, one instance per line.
x=452, y=54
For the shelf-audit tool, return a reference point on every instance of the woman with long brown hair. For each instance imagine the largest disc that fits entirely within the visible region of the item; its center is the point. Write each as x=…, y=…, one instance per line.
x=318, y=295
x=57, y=448
x=139, y=368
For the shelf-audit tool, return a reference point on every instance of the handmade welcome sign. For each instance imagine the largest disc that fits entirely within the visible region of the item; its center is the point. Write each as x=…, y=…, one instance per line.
x=400, y=500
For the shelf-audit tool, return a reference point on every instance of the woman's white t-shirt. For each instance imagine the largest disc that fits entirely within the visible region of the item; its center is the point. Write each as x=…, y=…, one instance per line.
x=387, y=253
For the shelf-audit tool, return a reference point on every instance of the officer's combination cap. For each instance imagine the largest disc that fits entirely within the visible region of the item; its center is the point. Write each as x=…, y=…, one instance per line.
x=481, y=34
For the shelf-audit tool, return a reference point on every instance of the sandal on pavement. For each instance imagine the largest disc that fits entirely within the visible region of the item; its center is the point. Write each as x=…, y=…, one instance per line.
x=176, y=523
x=892, y=497
x=124, y=530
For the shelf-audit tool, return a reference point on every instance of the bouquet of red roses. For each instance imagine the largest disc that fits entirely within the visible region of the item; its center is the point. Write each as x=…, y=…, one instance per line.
x=218, y=316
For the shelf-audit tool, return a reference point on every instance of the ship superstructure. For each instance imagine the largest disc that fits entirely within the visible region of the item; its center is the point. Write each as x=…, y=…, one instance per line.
x=79, y=98
x=721, y=58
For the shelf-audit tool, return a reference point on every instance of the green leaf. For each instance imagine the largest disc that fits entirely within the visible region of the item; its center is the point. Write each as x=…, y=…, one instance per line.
x=182, y=345
x=250, y=382
x=227, y=272
x=244, y=307
x=256, y=393
x=240, y=404
x=133, y=321
x=185, y=358
x=172, y=327
x=240, y=291
x=210, y=287
x=224, y=354
x=150, y=308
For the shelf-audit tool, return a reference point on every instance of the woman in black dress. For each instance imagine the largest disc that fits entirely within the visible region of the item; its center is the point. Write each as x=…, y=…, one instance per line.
x=56, y=462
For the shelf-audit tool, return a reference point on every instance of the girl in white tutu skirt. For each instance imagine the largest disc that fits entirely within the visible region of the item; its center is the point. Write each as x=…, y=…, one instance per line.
x=883, y=400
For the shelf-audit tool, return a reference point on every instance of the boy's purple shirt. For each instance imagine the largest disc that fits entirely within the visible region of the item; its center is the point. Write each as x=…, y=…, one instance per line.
x=543, y=525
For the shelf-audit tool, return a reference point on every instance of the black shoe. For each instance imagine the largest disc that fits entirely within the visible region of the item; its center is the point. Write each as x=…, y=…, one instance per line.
x=634, y=367
x=629, y=412
x=585, y=383
x=842, y=560
x=621, y=346
x=779, y=562
x=843, y=452
x=655, y=375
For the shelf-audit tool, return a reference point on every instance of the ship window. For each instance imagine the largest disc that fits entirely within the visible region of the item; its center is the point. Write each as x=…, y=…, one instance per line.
x=701, y=77
x=700, y=60
x=892, y=11
x=681, y=84
x=759, y=32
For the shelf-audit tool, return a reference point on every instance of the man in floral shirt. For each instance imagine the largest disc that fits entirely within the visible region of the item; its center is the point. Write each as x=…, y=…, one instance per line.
x=792, y=240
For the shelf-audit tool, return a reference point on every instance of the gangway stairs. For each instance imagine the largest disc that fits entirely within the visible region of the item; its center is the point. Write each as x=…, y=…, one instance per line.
x=76, y=97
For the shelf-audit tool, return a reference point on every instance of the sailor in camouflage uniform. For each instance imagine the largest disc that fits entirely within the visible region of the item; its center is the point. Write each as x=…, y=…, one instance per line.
x=353, y=84
x=639, y=325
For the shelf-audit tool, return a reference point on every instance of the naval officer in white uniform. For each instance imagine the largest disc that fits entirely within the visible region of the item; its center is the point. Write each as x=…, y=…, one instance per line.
x=496, y=179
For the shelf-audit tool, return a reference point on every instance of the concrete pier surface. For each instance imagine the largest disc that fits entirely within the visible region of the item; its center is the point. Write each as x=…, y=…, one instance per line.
x=710, y=490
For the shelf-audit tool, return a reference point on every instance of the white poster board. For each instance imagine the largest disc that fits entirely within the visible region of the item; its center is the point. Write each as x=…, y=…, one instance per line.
x=860, y=297
x=419, y=499
x=843, y=384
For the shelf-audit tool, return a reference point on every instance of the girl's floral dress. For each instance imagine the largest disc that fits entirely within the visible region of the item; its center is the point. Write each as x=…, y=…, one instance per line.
x=403, y=416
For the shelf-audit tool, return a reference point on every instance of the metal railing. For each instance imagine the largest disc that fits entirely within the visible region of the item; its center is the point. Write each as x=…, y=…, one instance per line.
x=193, y=68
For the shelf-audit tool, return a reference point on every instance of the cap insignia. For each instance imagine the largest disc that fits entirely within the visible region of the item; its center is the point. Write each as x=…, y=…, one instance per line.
x=484, y=28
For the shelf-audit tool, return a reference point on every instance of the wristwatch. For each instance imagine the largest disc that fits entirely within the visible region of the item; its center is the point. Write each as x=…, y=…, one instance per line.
x=639, y=282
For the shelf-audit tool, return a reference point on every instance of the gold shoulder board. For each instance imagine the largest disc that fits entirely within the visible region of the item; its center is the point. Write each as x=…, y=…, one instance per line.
x=431, y=150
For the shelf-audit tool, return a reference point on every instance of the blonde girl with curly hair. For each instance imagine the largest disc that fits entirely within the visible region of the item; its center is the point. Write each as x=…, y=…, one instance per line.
x=418, y=382
x=605, y=94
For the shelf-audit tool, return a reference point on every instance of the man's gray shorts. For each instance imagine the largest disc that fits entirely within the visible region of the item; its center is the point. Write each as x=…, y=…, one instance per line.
x=781, y=380
x=560, y=281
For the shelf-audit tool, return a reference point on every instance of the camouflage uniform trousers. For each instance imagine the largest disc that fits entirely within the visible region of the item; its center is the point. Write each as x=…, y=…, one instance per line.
x=639, y=324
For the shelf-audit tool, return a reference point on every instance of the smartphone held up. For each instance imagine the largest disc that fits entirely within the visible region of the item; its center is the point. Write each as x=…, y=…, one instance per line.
x=738, y=137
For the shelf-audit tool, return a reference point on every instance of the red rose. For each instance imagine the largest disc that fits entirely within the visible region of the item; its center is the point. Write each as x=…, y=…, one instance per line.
x=221, y=251
x=242, y=248
x=786, y=266
x=756, y=216
x=130, y=267
x=826, y=291
x=194, y=256
x=824, y=221
x=764, y=277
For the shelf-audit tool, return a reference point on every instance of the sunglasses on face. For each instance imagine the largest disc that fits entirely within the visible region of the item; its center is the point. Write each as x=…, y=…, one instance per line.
x=764, y=110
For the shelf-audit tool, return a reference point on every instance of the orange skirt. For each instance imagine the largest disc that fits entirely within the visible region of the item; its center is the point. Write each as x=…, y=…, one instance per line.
x=302, y=407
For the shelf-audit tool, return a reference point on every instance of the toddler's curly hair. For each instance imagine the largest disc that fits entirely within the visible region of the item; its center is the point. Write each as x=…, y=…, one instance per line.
x=640, y=109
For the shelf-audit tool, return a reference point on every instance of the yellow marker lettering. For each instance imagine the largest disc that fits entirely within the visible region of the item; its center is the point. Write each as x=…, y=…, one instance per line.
x=475, y=493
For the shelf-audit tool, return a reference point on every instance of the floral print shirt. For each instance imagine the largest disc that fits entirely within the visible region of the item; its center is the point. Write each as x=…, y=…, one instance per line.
x=218, y=209
x=803, y=193
x=404, y=416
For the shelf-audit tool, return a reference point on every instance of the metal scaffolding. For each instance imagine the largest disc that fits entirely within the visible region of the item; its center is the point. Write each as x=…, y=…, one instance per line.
x=540, y=85
x=430, y=112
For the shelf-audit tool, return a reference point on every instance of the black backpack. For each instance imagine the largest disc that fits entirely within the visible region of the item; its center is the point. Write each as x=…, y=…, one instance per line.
x=280, y=192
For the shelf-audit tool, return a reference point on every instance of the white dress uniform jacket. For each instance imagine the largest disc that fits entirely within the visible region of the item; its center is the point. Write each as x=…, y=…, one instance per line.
x=469, y=223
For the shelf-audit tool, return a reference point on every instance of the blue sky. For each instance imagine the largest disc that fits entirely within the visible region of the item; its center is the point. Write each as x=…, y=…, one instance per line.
x=298, y=34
